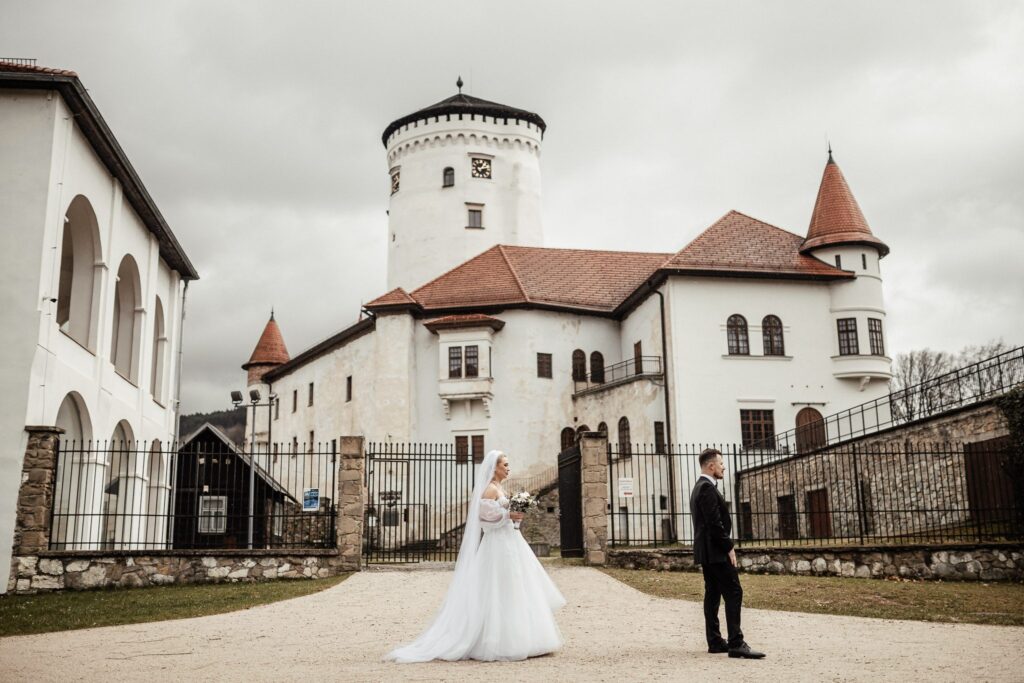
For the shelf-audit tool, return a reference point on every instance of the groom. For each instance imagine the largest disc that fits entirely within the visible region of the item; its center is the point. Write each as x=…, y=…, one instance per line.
x=713, y=551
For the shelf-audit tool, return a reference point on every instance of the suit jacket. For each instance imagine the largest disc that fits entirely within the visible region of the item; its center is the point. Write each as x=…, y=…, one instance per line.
x=711, y=524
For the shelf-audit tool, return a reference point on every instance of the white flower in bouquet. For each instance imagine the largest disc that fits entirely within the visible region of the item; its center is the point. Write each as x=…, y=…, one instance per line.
x=521, y=502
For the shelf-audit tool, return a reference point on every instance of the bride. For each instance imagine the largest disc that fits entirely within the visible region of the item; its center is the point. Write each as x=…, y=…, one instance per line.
x=500, y=604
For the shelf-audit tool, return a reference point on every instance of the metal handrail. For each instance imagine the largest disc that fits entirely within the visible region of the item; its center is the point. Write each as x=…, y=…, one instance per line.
x=616, y=373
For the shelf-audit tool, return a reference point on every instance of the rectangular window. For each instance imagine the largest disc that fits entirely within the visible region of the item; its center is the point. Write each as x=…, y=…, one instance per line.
x=758, y=428
x=310, y=394
x=638, y=358
x=839, y=261
x=864, y=261
x=472, y=361
x=213, y=514
x=391, y=517
x=348, y=388
x=659, y=437
x=544, y=365
x=277, y=408
x=277, y=526
x=848, y=337
x=461, y=449
x=475, y=218
x=746, y=522
x=875, y=336
x=478, y=448
x=454, y=362
x=787, y=517
x=295, y=400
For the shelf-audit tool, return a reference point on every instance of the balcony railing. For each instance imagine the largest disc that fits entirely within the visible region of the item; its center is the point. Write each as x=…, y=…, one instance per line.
x=619, y=373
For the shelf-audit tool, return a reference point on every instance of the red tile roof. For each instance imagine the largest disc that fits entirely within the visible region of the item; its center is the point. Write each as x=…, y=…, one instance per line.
x=270, y=349
x=837, y=219
x=740, y=245
x=396, y=297
x=10, y=66
x=449, y=322
x=571, y=278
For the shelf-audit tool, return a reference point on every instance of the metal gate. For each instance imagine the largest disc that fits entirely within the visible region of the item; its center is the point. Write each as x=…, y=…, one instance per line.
x=417, y=496
x=570, y=502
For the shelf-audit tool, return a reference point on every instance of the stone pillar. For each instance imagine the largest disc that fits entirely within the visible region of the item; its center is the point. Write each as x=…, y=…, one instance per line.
x=35, y=497
x=594, y=466
x=351, y=502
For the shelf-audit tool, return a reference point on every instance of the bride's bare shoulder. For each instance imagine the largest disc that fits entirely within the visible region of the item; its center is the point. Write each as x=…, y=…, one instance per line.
x=491, y=492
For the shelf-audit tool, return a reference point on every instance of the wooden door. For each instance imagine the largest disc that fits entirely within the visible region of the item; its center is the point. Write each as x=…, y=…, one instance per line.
x=989, y=487
x=787, y=517
x=638, y=358
x=810, y=430
x=819, y=519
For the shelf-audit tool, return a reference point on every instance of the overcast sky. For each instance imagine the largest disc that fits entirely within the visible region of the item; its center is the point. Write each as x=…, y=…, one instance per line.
x=256, y=128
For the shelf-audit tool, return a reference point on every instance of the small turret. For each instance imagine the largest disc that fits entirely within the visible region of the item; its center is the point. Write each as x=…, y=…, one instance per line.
x=270, y=352
x=837, y=219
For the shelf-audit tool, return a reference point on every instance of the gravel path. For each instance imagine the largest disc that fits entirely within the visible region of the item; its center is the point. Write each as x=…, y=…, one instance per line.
x=612, y=633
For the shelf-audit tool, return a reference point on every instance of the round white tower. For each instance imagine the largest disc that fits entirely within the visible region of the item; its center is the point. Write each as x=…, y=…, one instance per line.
x=464, y=175
x=839, y=235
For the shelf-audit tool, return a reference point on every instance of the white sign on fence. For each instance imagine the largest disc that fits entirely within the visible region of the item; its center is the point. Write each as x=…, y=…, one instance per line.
x=625, y=487
x=311, y=500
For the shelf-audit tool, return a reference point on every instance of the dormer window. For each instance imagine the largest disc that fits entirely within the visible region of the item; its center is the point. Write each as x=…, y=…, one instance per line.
x=448, y=178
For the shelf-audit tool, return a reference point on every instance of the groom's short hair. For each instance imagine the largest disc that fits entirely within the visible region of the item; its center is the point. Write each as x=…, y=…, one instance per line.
x=707, y=455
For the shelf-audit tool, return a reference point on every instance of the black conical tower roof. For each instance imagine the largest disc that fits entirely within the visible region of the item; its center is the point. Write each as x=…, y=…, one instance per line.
x=462, y=103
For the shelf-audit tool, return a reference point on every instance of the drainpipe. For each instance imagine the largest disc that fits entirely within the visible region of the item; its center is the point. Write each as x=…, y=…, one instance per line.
x=169, y=540
x=668, y=413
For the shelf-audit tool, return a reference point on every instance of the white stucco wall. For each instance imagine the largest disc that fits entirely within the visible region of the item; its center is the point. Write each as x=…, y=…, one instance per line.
x=45, y=163
x=427, y=233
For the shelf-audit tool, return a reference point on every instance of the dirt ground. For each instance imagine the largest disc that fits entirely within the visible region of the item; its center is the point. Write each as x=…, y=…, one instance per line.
x=612, y=633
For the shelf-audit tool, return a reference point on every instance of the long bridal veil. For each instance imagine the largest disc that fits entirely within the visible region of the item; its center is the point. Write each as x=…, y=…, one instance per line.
x=453, y=632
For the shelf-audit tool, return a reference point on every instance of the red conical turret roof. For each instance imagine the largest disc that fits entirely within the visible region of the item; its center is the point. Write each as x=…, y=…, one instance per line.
x=270, y=349
x=837, y=219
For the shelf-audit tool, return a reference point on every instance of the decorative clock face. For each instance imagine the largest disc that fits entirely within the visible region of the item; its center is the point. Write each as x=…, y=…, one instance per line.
x=394, y=182
x=481, y=168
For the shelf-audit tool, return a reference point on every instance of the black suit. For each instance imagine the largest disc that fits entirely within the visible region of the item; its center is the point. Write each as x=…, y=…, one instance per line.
x=711, y=545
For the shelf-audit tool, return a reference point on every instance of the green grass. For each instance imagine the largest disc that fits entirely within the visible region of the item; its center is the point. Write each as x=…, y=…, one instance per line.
x=46, y=612
x=942, y=601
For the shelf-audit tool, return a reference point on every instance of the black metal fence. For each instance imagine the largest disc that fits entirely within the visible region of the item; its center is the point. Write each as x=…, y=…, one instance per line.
x=957, y=389
x=205, y=495
x=849, y=494
x=417, y=499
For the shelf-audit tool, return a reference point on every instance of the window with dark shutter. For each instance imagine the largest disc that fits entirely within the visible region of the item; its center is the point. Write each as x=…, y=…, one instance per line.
x=848, y=337
x=579, y=366
x=461, y=449
x=659, y=437
x=478, y=448
x=596, y=367
x=472, y=361
x=454, y=362
x=544, y=365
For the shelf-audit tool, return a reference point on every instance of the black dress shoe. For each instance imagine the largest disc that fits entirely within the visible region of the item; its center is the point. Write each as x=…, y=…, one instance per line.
x=744, y=652
x=718, y=648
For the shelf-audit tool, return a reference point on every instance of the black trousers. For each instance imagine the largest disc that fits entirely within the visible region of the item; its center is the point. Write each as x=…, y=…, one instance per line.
x=722, y=581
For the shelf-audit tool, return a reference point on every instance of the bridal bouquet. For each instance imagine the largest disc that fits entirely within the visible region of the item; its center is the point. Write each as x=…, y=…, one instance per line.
x=521, y=502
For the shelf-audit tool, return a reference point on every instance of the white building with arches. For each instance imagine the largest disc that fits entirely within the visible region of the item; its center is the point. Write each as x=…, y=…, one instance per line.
x=487, y=339
x=92, y=304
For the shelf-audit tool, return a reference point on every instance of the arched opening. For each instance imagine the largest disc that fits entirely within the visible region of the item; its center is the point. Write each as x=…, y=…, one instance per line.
x=119, y=488
x=156, y=382
x=127, y=321
x=448, y=177
x=597, y=367
x=810, y=430
x=736, y=330
x=78, y=287
x=625, y=449
x=771, y=333
x=579, y=366
x=71, y=499
x=579, y=430
x=158, y=482
x=602, y=427
x=568, y=438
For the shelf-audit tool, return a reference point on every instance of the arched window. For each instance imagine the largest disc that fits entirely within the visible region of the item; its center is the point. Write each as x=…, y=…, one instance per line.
x=596, y=367
x=156, y=381
x=78, y=286
x=120, y=459
x=579, y=366
x=739, y=344
x=625, y=449
x=158, y=496
x=603, y=428
x=73, y=487
x=568, y=438
x=127, y=321
x=448, y=177
x=581, y=429
x=771, y=331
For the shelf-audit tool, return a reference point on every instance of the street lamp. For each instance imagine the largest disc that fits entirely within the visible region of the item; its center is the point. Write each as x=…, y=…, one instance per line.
x=254, y=401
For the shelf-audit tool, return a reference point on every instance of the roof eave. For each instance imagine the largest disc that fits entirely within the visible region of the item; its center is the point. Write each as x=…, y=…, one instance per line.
x=350, y=333
x=103, y=142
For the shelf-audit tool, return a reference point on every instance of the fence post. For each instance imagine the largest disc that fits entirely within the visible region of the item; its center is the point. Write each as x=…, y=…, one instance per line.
x=35, y=497
x=594, y=468
x=351, y=502
x=857, y=492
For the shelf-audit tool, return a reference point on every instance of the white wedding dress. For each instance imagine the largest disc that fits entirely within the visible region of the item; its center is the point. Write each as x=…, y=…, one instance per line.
x=500, y=605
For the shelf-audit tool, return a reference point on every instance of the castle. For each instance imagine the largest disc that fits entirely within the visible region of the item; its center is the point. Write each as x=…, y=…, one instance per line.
x=487, y=339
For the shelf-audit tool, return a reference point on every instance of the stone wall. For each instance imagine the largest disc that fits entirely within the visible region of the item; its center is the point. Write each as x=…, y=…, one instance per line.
x=542, y=524
x=78, y=571
x=958, y=563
